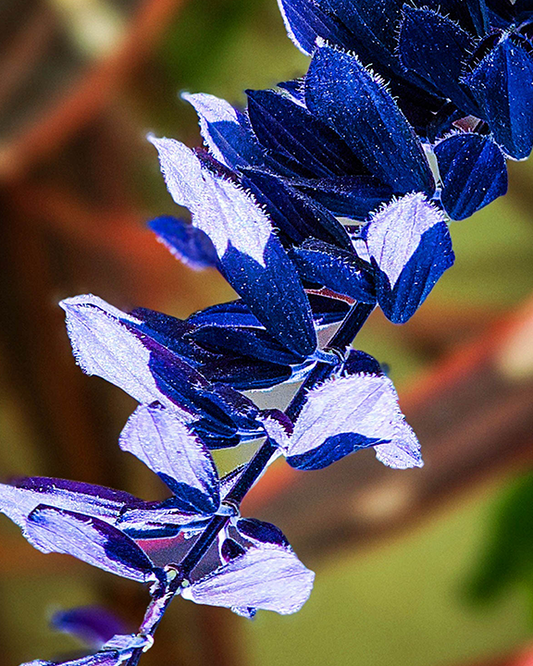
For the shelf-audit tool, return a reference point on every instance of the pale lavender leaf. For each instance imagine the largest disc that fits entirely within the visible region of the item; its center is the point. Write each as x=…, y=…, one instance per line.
x=363, y=403
x=394, y=232
x=52, y=530
x=160, y=439
x=268, y=578
x=103, y=345
x=219, y=207
x=404, y=450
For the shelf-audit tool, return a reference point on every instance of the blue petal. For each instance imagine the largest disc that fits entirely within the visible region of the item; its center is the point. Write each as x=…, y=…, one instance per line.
x=436, y=49
x=163, y=442
x=295, y=215
x=346, y=196
x=259, y=532
x=501, y=84
x=471, y=14
x=225, y=132
x=378, y=132
x=187, y=243
x=473, y=173
x=410, y=245
x=53, y=530
x=305, y=20
x=269, y=577
x=336, y=269
x=298, y=139
x=17, y=500
x=251, y=256
x=348, y=413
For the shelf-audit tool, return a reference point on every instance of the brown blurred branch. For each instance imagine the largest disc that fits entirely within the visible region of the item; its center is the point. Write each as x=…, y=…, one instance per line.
x=89, y=96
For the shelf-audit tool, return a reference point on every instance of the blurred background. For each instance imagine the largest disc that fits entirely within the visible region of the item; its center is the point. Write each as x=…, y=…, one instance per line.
x=418, y=568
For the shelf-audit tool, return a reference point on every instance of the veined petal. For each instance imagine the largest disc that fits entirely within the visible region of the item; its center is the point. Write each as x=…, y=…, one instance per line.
x=252, y=258
x=104, y=345
x=410, y=245
x=53, y=530
x=269, y=577
x=377, y=131
x=167, y=446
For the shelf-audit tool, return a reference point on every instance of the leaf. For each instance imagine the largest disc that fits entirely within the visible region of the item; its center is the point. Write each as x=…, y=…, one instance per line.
x=53, y=530
x=269, y=578
x=163, y=442
x=409, y=243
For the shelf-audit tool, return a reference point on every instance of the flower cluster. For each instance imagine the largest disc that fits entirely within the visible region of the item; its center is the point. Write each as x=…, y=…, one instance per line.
x=321, y=200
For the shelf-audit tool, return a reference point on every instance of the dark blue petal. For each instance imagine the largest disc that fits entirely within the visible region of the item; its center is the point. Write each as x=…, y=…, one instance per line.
x=472, y=15
x=305, y=20
x=436, y=49
x=187, y=243
x=346, y=196
x=163, y=442
x=260, y=532
x=268, y=577
x=18, y=499
x=473, y=173
x=336, y=269
x=502, y=86
x=298, y=139
x=251, y=257
x=378, y=132
x=410, y=245
x=53, y=530
x=295, y=215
